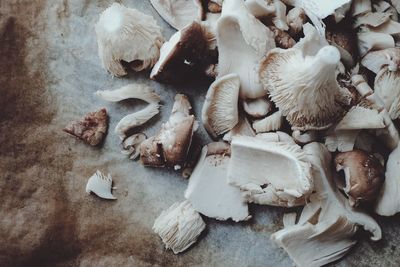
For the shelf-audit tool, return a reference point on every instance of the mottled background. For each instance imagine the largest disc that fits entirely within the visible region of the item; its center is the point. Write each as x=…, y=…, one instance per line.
x=49, y=70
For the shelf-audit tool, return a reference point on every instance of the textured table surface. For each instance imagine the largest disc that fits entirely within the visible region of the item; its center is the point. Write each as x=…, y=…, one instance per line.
x=49, y=70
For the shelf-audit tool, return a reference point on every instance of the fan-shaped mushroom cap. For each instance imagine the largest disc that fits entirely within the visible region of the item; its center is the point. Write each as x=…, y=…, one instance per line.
x=358, y=118
x=376, y=60
x=242, y=42
x=387, y=87
x=270, y=123
x=220, y=109
x=125, y=34
x=179, y=13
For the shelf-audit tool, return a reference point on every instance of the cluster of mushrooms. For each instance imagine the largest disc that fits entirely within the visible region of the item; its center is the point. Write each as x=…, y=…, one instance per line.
x=304, y=111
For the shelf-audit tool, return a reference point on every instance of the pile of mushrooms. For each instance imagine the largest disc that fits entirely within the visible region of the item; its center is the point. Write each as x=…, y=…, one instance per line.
x=303, y=109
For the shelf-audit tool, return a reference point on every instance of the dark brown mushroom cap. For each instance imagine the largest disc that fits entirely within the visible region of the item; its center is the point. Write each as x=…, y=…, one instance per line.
x=365, y=175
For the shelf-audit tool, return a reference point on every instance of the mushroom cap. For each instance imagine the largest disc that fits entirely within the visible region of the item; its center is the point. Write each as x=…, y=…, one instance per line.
x=125, y=34
x=376, y=60
x=387, y=87
x=364, y=175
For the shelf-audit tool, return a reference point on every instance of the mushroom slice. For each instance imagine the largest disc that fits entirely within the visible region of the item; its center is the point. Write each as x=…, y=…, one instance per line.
x=368, y=41
x=170, y=146
x=296, y=18
x=388, y=90
x=364, y=176
x=190, y=48
x=243, y=127
x=327, y=225
x=361, y=7
x=372, y=19
x=277, y=137
x=134, y=90
x=256, y=168
x=342, y=141
x=302, y=82
x=91, y=129
x=136, y=119
x=242, y=42
x=358, y=118
x=179, y=226
x=125, y=34
x=220, y=109
x=375, y=60
x=100, y=185
x=257, y=108
x=179, y=13
x=130, y=146
x=271, y=123
x=208, y=190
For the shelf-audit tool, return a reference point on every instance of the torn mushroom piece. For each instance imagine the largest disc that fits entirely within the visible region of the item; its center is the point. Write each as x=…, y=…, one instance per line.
x=179, y=13
x=368, y=41
x=170, y=146
x=261, y=8
x=376, y=60
x=270, y=123
x=179, y=226
x=135, y=90
x=188, y=50
x=256, y=168
x=257, y=108
x=208, y=190
x=361, y=7
x=214, y=6
x=220, y=109
x=325, y=230
x=387, y=88
x=243, y=127
x=364, y=176
x=130, y=146
x=125, y=34
x=100, y=185
x=282, y=38
x=242, y=42
x=341, y=141
x=91, y=129
x=296, y=18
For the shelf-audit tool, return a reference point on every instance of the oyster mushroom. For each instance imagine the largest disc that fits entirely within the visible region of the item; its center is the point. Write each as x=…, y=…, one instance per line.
x=280, y=16
x=242, y=42
x=135, y=90
x=256, y=168
x=208, y=190
x=130, y=146
x=261, y=8
x=343, y=38
x=304, y=137
x=91, y=129
x=296, y=18
x=257, y=108
x=125, y=34
x=364, y=176
x=368, y=41
x=100, y=185
x=179, y=13
x=361, y=7
x=169, y=147
x=341, y=141
x=282, y=38
x=270, y=123
x=220, y=109
x=376, y=60
x=306, y=95
x=276, y=137
x=358, y=118
x=243, y=127
x=388, y=90
x=179, y=226
x=372, y=19
x=383, y=6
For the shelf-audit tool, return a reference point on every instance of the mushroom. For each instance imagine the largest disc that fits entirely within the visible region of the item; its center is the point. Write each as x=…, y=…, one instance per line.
x=256, y=168
x=383, y=6
x=130, y=146
x=179, y=226
x=343, y=38
x=179, y=13
x=134, y=90
x=276, y=137
x=360, y=7
x=301, y=81
x=136, y=119
x=190, y=48
x=280, y=16
x=326, y=227
x=371, y=19
x=242, y=42
x=271, y=123
x=364, y=176
x=388, y=90
x=220, y=109
x=125, y=34
x=169, y=147
x=243, y=127
x=358, y=118
x=257, y=108
x=296, y=18
x=215, y=6
x=91, y=129
x=303, y=138
x=342, y=141
x=208, y=190
x=368, y=41
x=100, y=185
x=376, y=60
x=282, y=38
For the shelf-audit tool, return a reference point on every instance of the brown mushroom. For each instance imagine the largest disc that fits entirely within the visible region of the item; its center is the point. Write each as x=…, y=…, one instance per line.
x=364, y=176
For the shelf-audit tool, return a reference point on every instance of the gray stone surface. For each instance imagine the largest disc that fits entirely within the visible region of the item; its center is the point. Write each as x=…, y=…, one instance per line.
x=49, y=70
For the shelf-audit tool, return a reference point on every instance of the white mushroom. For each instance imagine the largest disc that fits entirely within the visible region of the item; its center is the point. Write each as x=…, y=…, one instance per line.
x=296, y=18
x=373, y=41
x=376, y=60
x=179, y=226
x=134, y=90
x=304, y=137
x=270, y=123
x=220, y=109
x=372, y=19
x=341, y=141
x=100, y=185
x=136, y=119
x=387, y=88
x=383, y=6
x=208, y=190
x=256, y=168
x=280, y=16
x=130, y=146
x=243, y=127
x=257, y=108
x=277, y=137
x=125, y=34
x=179, y=13
x=358, y=118
x=242, y=42
x=327, y=225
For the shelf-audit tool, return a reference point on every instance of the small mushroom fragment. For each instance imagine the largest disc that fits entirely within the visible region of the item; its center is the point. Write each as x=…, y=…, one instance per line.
x=385, y=7
x=134, y=90
x=368, y=41
x=270, y=123
x=257, y=108
x=364, y=176
x=282, y=38
x=243, y=127
x=242, y=42
x=276, y=137
x=220, y=109
x=170, y=146
x=361, y=7
x=100, y=185
x=179, y=13
x=280, y=16
x=372, y=19
x=387, y=88
x=136, y=119
x=125, y=34
x=91, y=129
x=208, y=190
x=376, y=60
x=189, y=49
x=130, y=146
x=296, y=18
x=215, y=6
x=256, y=168
x=179, y=226
x=343, y=38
